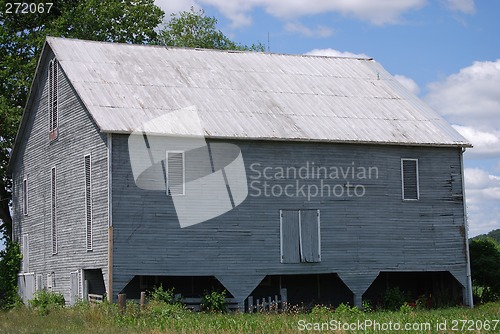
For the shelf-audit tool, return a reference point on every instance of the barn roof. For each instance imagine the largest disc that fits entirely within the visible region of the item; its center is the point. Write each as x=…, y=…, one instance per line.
x=249, y=95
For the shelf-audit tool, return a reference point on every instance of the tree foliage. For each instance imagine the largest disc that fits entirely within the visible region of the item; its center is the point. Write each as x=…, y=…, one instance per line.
x=21, y=40
x=485, y=264
x=192, y=29
x=10, y=261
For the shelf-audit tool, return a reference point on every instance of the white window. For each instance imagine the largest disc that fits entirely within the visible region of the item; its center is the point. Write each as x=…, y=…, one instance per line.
x=53, y=218
x=25, y=197
x=51, y=281
x=88, y=202
x=175, y=173
x=38, y=282
x=53, y=97
x=300, y=239
x=409, y=178
x=26, y=253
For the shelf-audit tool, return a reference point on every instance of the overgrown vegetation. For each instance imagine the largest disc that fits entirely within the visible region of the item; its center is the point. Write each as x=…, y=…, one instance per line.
x=45, y=301
x=485, y=269
x=159, y=294
x=158, y=317
x=10, y=262
x=214, y=301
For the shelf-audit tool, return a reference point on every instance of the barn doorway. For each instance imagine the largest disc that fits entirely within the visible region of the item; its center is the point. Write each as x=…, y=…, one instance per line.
x=93, y=282
x=186, y=286
x=436, y=288
x=306, y=290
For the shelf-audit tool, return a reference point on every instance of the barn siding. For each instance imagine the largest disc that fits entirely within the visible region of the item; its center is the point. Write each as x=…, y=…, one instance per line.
x=360, y=236
x=78, y=136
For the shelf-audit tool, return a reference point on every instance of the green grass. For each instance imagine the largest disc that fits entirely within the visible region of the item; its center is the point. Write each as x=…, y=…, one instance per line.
x=161, y=318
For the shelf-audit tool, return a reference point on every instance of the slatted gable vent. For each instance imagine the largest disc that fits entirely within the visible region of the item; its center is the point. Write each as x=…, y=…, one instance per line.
x=53, y=96
x=25, y=197
x=175, y=173
x=88, y=202
x=409, y=169
x=53, y=218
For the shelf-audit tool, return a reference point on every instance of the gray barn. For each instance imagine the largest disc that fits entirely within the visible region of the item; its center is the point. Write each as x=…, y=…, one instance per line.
x=251, y=172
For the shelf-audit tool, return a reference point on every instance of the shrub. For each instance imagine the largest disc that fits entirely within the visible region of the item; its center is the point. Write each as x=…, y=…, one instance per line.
x=394, y=298
x=159, y=294
x=405, y=308
x=214, y=301
x=44, y=301
x=346, y=309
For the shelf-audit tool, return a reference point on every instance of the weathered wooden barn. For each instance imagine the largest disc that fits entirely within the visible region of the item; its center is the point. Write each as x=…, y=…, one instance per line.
x=320, y=175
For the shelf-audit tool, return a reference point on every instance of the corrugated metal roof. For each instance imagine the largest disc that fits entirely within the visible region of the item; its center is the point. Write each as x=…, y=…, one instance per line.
x=249, y=95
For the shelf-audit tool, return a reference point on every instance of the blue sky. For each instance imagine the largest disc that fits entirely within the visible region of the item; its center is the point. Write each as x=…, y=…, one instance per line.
x=446, y=51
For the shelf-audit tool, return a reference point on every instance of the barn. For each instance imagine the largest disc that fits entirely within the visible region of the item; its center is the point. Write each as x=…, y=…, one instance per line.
x=251, y=172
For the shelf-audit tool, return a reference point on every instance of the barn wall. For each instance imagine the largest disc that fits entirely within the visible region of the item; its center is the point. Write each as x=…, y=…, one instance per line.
x=78, y=136
x=360, y=236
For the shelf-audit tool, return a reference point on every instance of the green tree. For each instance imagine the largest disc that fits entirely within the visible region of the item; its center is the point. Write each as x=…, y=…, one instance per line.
x=10, y=261
x=485, y=265
x=192, y=29
x=21, y=40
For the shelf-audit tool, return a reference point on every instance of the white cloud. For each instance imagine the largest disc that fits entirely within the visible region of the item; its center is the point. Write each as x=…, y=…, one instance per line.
x=482, y=192
x=335, y=53
x=408, y=83
x=486, y=143
x=377, y=12
x=464, y=6
x=319, y=31
x=170, y=7
x=469, y=97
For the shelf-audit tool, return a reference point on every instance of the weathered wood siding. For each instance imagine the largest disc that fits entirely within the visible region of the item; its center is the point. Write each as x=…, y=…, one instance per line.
x=78, y=136
x=360, y=236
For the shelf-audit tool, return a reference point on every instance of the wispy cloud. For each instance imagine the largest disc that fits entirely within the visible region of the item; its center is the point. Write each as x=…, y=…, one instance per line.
x=335, y=53
x=464, y=6
x=319, y=31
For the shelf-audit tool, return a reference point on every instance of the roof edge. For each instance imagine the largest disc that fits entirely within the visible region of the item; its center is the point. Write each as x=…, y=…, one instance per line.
x=27, y=107
x=51, y=39
x=303, y=140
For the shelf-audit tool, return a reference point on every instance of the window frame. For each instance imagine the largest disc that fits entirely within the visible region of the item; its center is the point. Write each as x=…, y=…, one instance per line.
x=403, y=179
x=183, y=172
x=88, y=203
x=53, y=99
x=300, y=242
x=25, y=196
x=25, y=252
